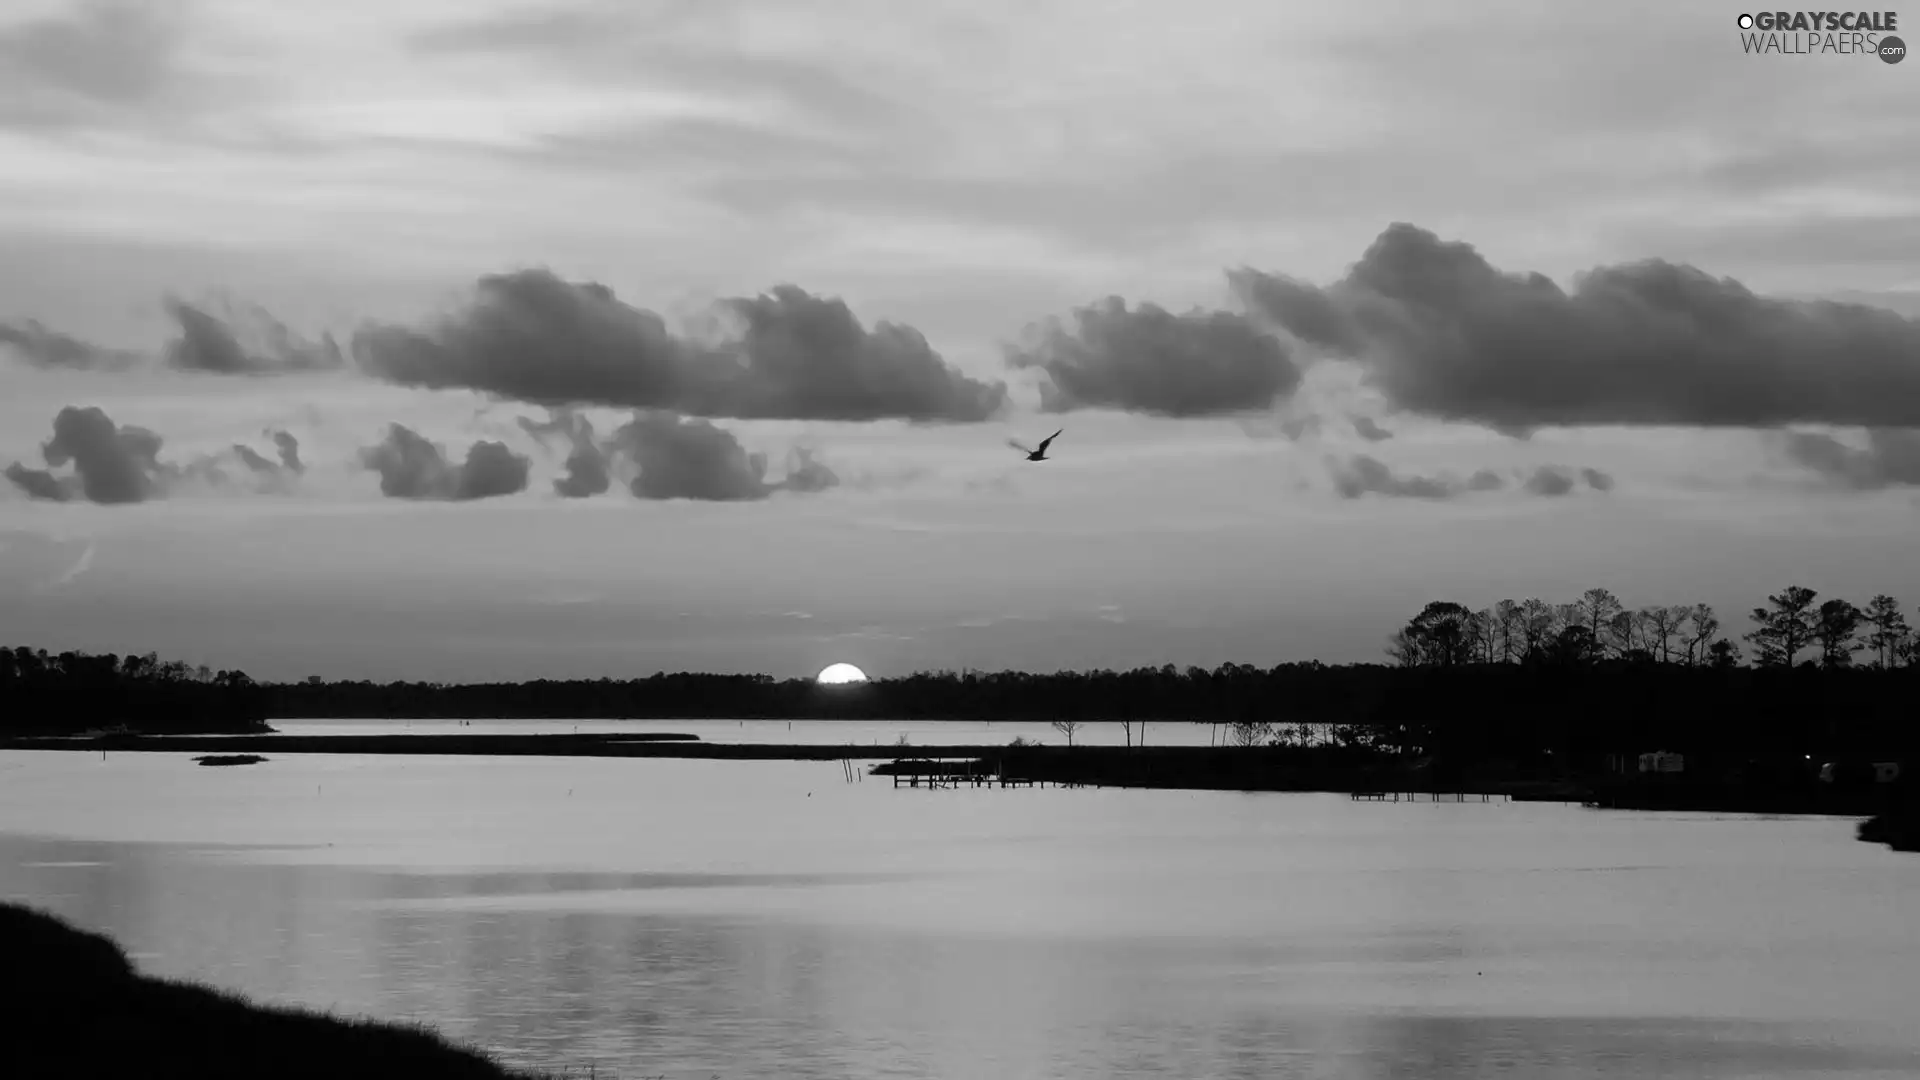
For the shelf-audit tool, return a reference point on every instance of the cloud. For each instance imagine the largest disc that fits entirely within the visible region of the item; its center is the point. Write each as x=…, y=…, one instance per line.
x=681, y=458
x=1485, y=480
x=1442, y=332
x=531, y=336
x=1150, y=360
x=271, y=474
x=1550, y=481
x=210, y=344
x=115, y=464
x=1361, y=475
x=587, y=474
x=807, y=474
x=1369, y=429
x=255, y=460
x=411, y=467
x=1891, y=458
x=104, y=56
x=39, y=483
x=112, y=464
x=289, y=448
x=43, y=347
x=242, y=340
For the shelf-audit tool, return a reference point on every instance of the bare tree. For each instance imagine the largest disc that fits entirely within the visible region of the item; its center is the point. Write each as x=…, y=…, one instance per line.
x=1661, y=625
x=1596, y=610
x=1483, y=627
x=1626, y=632
x=1890, y=629
x=1510, y=620
x=1251, y=732
x=1538, y=624
x=1703, y=624
x=1402, y=649
x=1067, y=728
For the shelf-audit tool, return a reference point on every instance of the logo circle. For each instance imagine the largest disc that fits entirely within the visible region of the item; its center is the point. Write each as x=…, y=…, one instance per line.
x=1892, y=50
x=1746, y=22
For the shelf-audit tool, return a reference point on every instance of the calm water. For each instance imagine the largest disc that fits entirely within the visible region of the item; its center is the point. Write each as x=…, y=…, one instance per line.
x=767, y=919
x=811, y=732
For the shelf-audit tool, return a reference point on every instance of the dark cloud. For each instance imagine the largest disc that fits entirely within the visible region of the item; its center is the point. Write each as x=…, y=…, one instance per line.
x=241, y=340
x=1442, y=332
x=39, y=483
x=1361, y=475
x=44, y=347
x=411, y=467
x=1369, y=429
x=807, y=474
x=1891, y=458
x=289, y=448
x=1300, y=308
x=211, y=344
x=111, y=463
x=1150, y=360
x=587, y=474
x=115, y=463
x=1549, y=480
x=530, y=336
x=269, y=473
x=679, y=458
x=255, y=460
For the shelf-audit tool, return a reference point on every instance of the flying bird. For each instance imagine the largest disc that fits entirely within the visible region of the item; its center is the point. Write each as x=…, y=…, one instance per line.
x=1033, y=454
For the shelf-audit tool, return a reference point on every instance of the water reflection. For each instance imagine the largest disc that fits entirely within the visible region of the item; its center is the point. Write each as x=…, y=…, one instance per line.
x=920, y=733
x=1099, y=934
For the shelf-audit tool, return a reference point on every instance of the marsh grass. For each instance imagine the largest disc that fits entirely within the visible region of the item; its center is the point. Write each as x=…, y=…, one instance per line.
x=74, y=1006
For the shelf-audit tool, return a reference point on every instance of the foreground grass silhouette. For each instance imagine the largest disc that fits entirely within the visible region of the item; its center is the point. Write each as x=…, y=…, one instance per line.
x=71, y=1005
x=1897, y=826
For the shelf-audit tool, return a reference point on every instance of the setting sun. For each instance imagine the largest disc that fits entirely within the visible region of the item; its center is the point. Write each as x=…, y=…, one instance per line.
x=836, y=674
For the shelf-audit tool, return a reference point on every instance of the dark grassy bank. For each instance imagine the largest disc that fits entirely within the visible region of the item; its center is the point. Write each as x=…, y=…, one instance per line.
x=220, y=760
x=1349, y=769
x=1898, y=823
x=72, y=1007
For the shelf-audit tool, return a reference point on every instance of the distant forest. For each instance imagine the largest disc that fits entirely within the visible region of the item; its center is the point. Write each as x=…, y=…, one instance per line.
x=1521, y=680
x=68, y=693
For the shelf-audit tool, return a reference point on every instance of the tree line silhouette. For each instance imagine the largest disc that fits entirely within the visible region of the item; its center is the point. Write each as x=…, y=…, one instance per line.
x=68, y=693
x=1523, y=681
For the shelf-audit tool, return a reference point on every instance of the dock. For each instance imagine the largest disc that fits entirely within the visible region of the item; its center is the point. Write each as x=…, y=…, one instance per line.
x=1429, y=796
x=935, y=775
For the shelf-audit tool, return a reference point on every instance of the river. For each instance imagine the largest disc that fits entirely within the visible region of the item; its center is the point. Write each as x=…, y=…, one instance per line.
x=746, y=919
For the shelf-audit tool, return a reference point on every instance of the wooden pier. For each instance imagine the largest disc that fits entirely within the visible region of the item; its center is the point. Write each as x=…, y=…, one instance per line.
x=934, y=775
x=1429, y=796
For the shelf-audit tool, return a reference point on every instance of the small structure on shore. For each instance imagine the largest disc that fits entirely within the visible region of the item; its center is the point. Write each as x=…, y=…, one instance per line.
x=1663, y=761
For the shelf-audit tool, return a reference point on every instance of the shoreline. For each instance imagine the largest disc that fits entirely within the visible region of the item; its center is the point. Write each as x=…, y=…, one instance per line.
x=78, y=1007
x=1171, y=768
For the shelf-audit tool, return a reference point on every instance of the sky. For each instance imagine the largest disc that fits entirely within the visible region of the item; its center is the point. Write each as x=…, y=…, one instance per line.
x=486, y=340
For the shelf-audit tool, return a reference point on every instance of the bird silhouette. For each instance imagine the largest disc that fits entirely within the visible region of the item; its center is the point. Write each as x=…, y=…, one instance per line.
x=1033, y=454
